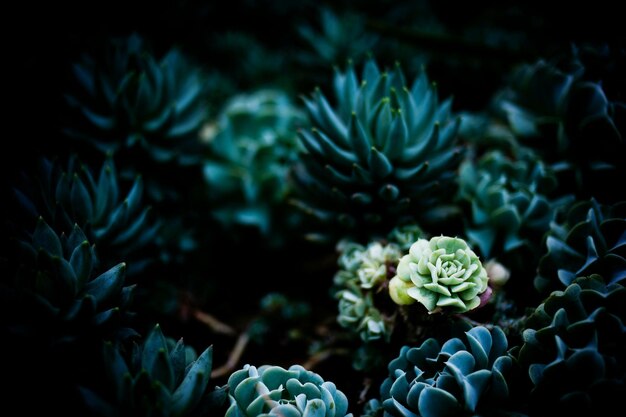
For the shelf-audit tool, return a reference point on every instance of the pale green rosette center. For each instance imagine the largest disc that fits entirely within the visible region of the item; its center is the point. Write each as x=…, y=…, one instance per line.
x=442, y=274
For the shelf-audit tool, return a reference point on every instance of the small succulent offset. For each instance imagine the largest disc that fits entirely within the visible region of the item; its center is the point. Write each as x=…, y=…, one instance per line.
x=147, y=110
x=589, y=239
x=575, y=349
x=275, y=391
x=117, y=222
x=364, y=272
x=252, y=146
x=443, y=274
x=510, y=208
x=384, y=151
x=159, y=378
x=60, y=292
x=458, y=378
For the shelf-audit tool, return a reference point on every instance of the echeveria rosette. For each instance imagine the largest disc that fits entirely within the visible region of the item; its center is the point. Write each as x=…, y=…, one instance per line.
x=464, y=376
x=369, y=265
x=510, y=204
x=442, y=274
x=278, y=392
x=575, y=349
x=252, y=145
x=161, y=377
x=384, y=151
x=589, y=239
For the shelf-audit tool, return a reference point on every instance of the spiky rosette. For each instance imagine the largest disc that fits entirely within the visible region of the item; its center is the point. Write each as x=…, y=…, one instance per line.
x=57, y=290
x=161, y=377
x=275, y=391
x=574, y=349
x=572, y=121
x=461, y=377
x=589, y=239
x=252, y=146
x=510, y=204
x=148, y=110
x=112, y=218
x=382, y=151
x=443, y=274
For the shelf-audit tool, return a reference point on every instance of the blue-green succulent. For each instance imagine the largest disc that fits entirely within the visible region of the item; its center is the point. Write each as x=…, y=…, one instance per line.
x=590, y=238
x=575, y=349
x=252, y=146
x=384, y=150
x=159, y=378
x=275, y=391
x=570, y=119
x=109, y=211
x=57, y=291
x=462, y=377
x=148, y=110
x=510, y=201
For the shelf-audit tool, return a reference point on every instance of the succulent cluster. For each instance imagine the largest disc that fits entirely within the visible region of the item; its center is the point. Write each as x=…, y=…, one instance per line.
x=461, y=377
x=161, y=377
x=252, y=145
x=383, y=151
x=442, y=274
x=574, y=349
x=147, y=110
x=509, y=199
x=275, y=391
x=589, y=238
x=363, y=277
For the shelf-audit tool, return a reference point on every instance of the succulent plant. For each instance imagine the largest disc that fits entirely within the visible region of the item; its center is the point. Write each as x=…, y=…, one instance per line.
x=275, y=391
x=147, y=110
x=364, y=272
x=510, y=204
x=589, y=239
x=405, y=235
x=357, y=312
x=460, y=377
x=571, y=119
x=252, y=146
x=280, y=318
x=159, y=378
x=341, y=37
x=443, y=274
x=574, y=349
x=115, y=220
x=383, y=151
x=57, y=291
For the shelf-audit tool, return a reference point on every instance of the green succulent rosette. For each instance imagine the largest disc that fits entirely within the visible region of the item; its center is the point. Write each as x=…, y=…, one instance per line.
x=442, y=274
